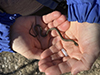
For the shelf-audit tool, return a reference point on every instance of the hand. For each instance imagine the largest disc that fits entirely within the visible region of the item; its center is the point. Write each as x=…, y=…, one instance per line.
x=80, y=58
x=27, y=45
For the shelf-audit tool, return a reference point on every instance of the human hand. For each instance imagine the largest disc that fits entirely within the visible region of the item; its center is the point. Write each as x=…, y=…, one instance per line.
x=27, y=45
x=80, y=58
x=22, y=42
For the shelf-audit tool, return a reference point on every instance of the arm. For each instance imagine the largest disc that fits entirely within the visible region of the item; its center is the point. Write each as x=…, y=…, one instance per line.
x=84, y=10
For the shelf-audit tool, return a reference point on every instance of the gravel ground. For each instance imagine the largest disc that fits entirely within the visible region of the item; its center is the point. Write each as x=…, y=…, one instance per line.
x=15, y=64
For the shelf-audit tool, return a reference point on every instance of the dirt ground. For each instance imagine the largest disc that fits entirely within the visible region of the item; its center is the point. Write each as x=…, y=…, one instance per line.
x=15, y=64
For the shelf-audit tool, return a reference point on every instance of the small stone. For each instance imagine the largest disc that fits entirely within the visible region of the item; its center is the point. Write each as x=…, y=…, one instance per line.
x=97, y=65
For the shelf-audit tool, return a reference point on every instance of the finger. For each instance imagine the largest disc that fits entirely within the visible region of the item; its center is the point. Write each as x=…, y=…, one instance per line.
x=59, y=20
x=53, y=49
x=45, y=60
x=54, y=40
x=66, y=58
x=49, y=59
x=56, y=56
x=58, y=69
x=66, y=66
x=43, y=67
x=53, y=70
x=51, y=16
x=54, y=33
x=50, y=25
x=61, y=68
x=46, y=65
x=64, y=26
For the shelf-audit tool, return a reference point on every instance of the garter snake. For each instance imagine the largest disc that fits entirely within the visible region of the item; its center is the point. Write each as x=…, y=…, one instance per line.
x=47, y=32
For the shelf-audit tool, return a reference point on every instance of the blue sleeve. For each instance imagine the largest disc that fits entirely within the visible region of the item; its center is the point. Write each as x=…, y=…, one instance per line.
x=84, y=10
x=6, y=20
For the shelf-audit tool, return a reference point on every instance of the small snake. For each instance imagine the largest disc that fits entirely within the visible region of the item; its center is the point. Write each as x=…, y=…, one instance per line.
x=47, y=32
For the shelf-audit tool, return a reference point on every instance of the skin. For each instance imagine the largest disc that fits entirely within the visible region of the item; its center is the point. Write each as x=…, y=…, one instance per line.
x=25, y=44
x=82, y=57
x=47, y=33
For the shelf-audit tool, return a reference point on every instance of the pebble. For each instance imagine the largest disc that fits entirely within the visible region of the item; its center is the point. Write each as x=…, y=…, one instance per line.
x=97, y=65
x=3, y=66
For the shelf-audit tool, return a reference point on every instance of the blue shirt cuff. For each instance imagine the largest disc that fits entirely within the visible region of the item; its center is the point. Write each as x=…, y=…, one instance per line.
x=84, y=10
x=6, y=20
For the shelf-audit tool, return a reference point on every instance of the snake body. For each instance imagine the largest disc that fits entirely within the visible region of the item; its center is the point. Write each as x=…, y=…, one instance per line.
x=47, y=32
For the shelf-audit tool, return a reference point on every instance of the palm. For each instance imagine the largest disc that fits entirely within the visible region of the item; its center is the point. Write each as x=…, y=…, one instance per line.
x=83, y=34
x=87, y=37
x=23, y=42
x=80, y=57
